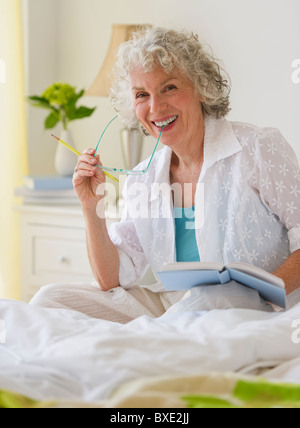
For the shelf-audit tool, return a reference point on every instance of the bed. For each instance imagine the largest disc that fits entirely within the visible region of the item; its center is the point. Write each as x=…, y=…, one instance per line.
x=72, y=360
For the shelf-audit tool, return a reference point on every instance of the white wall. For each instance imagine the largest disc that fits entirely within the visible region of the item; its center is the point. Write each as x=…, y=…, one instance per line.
x=257, y=41
x=40, y=27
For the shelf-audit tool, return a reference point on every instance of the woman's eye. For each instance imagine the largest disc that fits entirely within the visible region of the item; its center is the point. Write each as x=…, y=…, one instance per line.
x=170, y=87
x=140, y=95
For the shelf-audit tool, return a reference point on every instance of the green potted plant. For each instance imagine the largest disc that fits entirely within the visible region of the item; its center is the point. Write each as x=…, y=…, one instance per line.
x=61, y=100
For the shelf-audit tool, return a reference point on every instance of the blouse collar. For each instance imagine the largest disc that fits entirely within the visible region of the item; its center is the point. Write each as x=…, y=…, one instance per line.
x=220, y=142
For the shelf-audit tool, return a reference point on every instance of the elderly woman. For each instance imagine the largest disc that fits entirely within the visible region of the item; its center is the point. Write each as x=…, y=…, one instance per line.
x=165, y=80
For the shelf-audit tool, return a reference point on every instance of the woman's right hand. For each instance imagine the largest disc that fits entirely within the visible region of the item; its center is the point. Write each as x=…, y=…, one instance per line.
x=103, y=254
x=87, y=177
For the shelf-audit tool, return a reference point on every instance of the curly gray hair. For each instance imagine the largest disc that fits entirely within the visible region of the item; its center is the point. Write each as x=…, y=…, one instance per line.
x=169, y=49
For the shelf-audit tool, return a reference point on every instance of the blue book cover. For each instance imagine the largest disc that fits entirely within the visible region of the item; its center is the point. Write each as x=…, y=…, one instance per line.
x=48, y=183
x=186, y=275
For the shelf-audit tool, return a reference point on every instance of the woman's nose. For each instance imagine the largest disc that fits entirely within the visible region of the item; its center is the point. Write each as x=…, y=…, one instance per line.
x=158, y=104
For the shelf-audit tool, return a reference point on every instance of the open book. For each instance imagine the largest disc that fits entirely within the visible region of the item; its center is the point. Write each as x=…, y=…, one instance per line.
x=185, y=275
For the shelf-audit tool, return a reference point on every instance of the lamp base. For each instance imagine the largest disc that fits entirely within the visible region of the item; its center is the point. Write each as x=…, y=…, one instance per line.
x=132, y=145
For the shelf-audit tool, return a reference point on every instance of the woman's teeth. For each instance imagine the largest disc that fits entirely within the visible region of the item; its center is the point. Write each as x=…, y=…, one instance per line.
x=166, y=122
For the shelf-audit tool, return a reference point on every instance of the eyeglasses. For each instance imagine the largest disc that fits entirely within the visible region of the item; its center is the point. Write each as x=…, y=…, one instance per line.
x=126, y=171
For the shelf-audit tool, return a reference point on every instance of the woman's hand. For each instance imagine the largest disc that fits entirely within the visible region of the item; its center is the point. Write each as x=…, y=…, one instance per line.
x=103, y=255
x=87, y=177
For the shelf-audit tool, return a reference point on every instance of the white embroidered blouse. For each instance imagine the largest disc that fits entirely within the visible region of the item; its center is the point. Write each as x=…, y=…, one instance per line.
x=251, y=181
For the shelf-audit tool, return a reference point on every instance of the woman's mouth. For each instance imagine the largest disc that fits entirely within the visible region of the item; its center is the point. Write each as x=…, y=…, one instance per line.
x=165, y=123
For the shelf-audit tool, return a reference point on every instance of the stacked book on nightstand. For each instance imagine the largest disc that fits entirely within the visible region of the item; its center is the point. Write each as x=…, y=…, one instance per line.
x=53, y=190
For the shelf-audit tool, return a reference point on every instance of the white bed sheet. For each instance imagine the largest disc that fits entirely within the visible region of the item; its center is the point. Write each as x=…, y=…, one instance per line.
x=61, y=354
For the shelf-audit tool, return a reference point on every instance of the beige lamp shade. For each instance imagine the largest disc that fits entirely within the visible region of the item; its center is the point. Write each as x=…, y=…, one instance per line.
x=102, y=84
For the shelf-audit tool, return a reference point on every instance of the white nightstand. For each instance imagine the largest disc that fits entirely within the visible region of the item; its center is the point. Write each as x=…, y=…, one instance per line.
x=53, y=247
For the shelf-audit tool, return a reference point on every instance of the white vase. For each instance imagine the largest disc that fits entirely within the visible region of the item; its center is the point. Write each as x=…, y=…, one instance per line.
x=65, y=160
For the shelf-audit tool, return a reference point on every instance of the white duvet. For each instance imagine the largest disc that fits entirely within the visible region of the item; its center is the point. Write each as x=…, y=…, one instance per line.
x=53, y=353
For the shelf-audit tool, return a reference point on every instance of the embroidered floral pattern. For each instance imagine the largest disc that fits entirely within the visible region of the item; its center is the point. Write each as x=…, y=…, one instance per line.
x=252, y=203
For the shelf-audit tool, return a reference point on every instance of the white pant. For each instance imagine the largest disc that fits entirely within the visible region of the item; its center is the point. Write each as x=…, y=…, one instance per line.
x=122, y=306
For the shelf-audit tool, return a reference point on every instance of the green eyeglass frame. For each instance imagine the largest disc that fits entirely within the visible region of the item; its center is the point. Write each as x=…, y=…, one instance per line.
x=121, y=170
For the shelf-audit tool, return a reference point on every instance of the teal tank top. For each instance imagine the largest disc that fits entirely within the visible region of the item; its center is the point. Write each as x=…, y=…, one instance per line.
x=185, y=236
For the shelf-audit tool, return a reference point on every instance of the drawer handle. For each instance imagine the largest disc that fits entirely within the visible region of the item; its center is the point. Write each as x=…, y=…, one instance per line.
x=64, y=260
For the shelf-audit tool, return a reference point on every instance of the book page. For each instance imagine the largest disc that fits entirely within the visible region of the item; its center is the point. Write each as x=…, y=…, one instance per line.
x=182, y=266
x=257, y=273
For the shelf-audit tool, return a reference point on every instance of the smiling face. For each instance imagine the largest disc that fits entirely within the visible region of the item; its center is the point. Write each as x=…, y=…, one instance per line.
x=168, y=100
